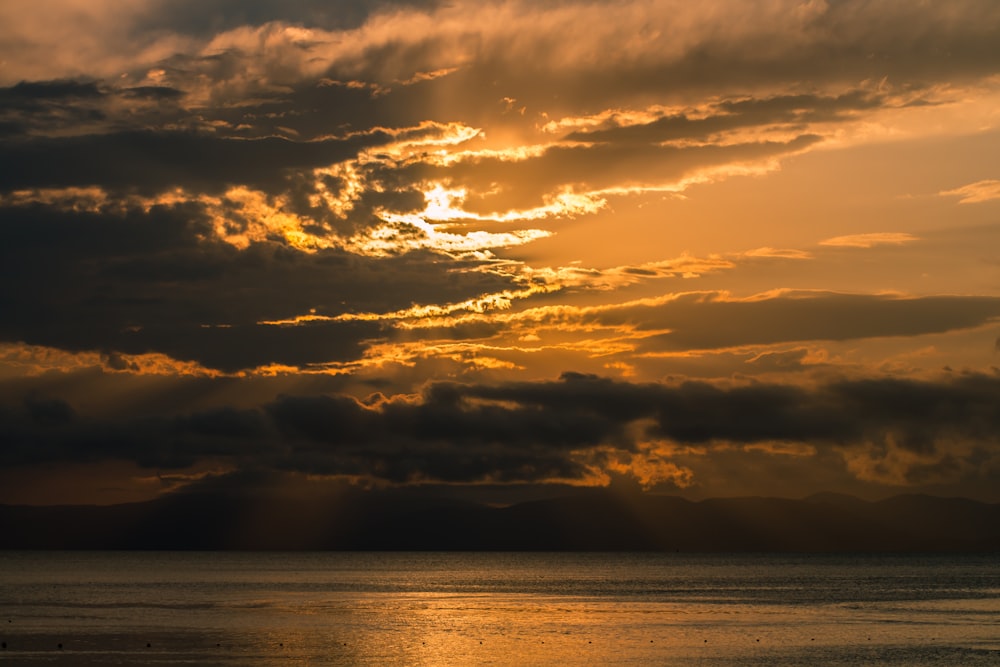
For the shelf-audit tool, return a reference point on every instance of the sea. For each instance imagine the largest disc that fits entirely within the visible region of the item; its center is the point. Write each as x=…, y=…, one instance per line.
x=332, y=608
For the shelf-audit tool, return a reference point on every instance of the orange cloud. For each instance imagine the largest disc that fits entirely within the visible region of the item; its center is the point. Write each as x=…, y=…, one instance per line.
x=975, y=193
x=870, y=240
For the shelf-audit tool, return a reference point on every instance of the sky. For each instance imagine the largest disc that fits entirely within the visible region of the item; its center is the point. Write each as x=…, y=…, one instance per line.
x=499, y=248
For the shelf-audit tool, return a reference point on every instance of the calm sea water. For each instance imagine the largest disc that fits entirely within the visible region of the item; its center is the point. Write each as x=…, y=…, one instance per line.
x=497, y=609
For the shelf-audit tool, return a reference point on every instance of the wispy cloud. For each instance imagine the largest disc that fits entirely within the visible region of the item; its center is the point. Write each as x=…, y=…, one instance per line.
x=975, y=193
x=870, y=240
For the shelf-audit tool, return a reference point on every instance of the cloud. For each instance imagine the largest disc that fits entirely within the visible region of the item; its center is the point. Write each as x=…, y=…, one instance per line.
x=870, y=240
x=216, y=203
x=603, y=167
x=975, y=193
x=692, y=47
x=137, y=282
x=75, y=107
x=777, y=253
x=348, y=121
x=565, y=430
x=710, y=321
x=709, y=334
x=730, y=116
x=208, y=17
x=153, y=162
x=655, y=42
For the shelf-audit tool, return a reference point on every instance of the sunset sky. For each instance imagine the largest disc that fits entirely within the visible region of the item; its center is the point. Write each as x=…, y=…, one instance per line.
x=500, y=248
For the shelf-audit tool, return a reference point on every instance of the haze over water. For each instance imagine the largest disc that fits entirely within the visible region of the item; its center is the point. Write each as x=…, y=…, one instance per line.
x=497, y=608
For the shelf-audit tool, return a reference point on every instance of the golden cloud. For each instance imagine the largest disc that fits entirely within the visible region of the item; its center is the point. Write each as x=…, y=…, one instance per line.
x=975, y=193
x=870, y=240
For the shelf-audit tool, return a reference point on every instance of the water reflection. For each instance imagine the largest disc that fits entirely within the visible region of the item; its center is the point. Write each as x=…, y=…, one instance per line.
x=501, y=609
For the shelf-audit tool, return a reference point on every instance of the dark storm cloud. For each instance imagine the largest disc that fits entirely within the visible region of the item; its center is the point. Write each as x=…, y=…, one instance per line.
x=440, y=438
x=207, y=17
x=704, y=322
x=315, y=110
x=920, y=415
x=320, y=434
x=152, y=162
x=34, y=94
x=47, y=412
x=153, y=93
x=74, y=107
x=529, y=431
x=134, y=282
x=151, y=443
x=434, y=440
x=30, y=106
x=520, y=51
x=566, y=58
x=233, y=348
x=563, y=62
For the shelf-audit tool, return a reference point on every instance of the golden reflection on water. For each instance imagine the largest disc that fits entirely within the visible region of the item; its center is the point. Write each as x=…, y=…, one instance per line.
x=495, y=609
x=459, y=629
x=513, y=629
x=489, y=629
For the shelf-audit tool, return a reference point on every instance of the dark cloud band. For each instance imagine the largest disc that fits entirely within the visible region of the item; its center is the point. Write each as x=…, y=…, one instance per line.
x=525, y=432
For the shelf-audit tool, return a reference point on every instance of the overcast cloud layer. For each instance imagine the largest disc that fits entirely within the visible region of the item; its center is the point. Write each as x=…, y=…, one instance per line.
x=712, y=248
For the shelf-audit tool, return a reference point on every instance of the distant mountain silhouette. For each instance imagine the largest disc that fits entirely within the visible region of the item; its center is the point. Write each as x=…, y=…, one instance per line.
x=596, y=520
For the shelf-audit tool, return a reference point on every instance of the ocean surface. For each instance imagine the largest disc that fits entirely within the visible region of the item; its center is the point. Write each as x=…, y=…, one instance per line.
x=121, y=608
